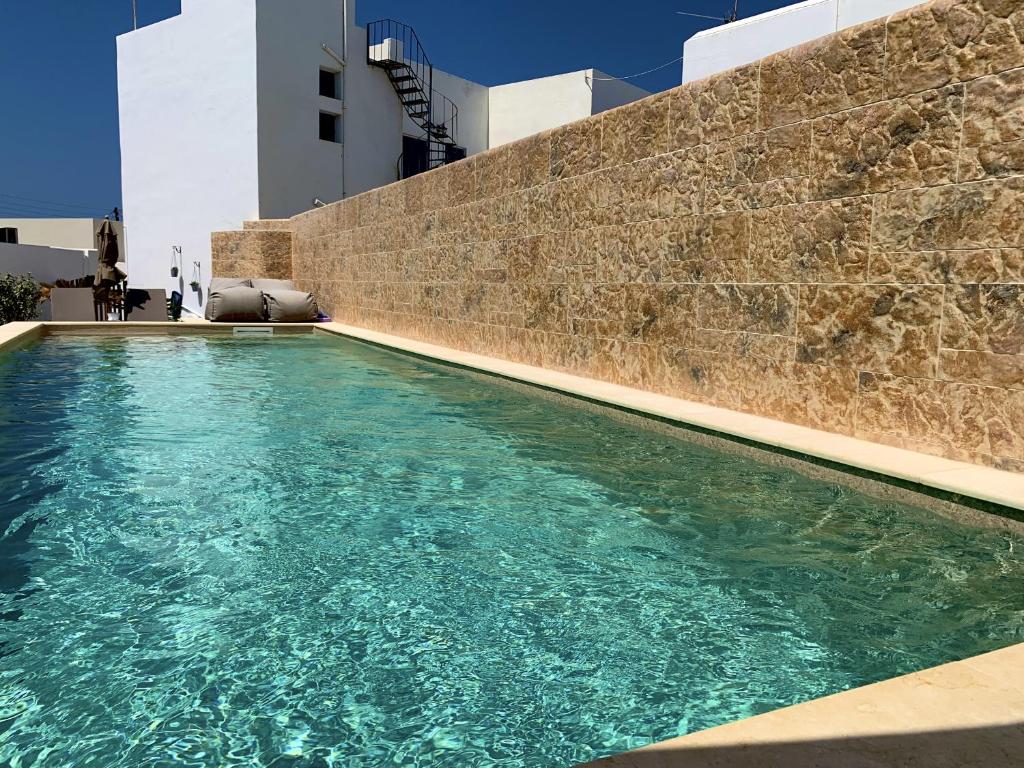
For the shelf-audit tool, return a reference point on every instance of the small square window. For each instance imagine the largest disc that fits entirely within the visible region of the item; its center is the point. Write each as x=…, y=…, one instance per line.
x=330, y=84
x=9, y=235
x=329, y=127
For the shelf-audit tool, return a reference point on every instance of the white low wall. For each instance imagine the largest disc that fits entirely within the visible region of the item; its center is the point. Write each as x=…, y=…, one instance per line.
x=518, y=110
x=46, y=265
x=732, y=45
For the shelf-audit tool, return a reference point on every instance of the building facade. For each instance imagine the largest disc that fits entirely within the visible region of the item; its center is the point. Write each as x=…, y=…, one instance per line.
x=741, y=42
x=254, y=109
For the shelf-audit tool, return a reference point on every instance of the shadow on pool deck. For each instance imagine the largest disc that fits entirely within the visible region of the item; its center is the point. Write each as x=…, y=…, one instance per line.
x=988, y=747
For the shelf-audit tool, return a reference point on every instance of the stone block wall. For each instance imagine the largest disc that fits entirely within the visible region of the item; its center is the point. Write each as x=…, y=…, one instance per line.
x=256, y=251
x=832, y=236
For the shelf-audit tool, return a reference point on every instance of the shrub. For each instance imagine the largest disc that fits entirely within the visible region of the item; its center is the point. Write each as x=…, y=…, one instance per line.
x=19, y=298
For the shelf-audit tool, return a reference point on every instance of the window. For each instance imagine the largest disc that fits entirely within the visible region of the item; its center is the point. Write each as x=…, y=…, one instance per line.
x=330, y=84
x=329, y=127
x=9, y=235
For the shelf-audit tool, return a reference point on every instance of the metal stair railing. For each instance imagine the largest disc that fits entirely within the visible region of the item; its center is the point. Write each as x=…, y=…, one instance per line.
x=395, y=48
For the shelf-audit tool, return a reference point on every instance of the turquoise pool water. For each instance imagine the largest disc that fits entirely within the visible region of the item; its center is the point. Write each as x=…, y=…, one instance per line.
x=306, y=552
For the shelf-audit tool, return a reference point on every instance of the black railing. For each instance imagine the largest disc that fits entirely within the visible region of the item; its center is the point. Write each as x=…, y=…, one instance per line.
x=395, y=48
x=391, y=44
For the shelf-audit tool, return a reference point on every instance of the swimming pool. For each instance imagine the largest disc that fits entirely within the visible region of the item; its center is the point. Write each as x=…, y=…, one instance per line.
x=304, y=551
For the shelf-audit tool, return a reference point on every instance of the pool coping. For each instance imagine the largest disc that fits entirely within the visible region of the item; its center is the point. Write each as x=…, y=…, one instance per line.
x=968, y=712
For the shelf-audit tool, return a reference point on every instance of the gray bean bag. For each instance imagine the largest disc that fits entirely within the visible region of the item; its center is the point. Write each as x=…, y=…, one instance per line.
x=220, y=283
x=290, y=306
x=239, y=305
x=269, y=284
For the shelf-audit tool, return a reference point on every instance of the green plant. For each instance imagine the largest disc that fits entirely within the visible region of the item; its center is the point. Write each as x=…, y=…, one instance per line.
x=19, y=298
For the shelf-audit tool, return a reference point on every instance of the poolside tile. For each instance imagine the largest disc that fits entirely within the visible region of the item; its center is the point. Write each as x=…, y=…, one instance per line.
x=951, y=41
x=883, y=328
x=993, y=140
x=823, y=76
x=988, y=318
x=811, y=243
x=898, y=144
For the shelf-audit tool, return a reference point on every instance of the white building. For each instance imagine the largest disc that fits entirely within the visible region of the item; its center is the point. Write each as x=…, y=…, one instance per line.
x=76, y=234
x=249, y=109
x=731, y=45
x=52, y=249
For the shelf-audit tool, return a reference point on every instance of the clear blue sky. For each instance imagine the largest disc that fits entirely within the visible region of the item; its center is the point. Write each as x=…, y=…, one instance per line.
x=58, y=81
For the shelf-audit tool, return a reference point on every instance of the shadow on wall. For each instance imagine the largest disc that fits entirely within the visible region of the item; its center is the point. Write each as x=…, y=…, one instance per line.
x=992, y=747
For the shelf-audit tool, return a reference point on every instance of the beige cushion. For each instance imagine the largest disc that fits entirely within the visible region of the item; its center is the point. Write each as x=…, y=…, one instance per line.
x=269, y=284
x=290, y=306
x=219, y=283
x=239, y=305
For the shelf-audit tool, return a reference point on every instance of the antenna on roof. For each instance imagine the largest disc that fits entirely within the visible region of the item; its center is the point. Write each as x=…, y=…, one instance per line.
x=724, y=19
x=135, y=16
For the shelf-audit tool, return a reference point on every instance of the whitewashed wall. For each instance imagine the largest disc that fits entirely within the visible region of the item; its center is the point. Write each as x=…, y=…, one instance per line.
x=518, y=110
x=46, y=265
x=79, y=234
x=294, y=164
x=731, y=45
x=188, y=117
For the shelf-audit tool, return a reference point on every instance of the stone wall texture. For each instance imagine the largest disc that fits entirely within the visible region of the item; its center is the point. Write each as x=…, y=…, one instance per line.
x=832, y=236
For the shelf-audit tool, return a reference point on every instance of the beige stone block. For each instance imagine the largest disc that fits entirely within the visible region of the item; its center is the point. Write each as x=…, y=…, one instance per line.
x=985, y=214
x=461, y=182
x=769, y=309
x=714, y=109
x=883, y=328
x=809, y=395
x=635, y=131
x=989, y=265
x=744, y=344
x=986, y=420
x=576, y=148
x=708, y=248
x=986, y=368
x=951, y=41
x=529, y=161
x=987, y=318
x=993, y=139
x=811, y=243
x=898, y=144
x=834, y=73
x=666, y=185
x=759, y=170
x=493, y=175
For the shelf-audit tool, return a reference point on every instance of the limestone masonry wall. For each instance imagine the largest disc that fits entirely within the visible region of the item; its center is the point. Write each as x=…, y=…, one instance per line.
x=832, y=236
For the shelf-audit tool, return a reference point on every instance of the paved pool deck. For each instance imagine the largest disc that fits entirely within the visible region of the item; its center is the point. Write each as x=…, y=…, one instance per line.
x=966, y=713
